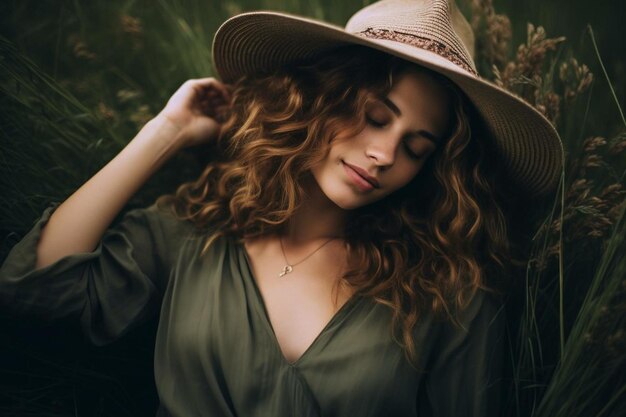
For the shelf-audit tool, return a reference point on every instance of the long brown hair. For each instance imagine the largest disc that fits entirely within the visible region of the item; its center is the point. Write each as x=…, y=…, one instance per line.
x=427, y=247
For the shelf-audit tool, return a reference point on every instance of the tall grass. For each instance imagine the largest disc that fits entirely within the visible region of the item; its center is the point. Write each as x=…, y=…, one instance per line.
x=569, y=353
x=591, y=375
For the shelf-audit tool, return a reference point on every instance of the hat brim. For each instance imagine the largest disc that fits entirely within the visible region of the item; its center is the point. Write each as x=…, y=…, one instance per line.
x=530, y=147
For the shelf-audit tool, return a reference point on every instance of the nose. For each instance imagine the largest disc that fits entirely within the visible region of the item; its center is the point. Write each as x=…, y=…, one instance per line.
x=382, y=149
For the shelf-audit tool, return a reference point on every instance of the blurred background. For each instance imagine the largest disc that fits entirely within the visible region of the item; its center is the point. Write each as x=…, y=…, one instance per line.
x=79, y=78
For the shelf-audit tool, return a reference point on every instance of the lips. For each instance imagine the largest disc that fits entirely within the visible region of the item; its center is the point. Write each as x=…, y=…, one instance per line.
x=363, y=174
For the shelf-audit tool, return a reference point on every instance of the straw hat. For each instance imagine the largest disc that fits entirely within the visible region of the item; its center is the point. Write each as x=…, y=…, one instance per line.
x=431, y=33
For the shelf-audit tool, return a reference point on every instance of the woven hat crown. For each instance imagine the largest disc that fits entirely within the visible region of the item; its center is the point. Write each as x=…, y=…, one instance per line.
x=434, y=25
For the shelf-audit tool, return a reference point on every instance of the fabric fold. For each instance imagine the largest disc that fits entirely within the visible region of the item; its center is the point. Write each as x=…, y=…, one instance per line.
x=213, y=352
x=109, y=290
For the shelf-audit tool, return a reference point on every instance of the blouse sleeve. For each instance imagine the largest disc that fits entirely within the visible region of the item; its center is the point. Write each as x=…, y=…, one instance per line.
x=466, y=375
x=109, y=290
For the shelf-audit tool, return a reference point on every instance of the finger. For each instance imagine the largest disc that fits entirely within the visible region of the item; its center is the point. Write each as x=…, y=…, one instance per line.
x=211, y=83
x=213, y=108
x=213, y=101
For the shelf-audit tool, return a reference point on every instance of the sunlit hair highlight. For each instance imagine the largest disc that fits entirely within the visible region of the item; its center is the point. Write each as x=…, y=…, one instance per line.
x=428, y=247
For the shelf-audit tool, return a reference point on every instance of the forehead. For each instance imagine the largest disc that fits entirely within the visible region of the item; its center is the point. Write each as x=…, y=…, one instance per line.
x=421, y=97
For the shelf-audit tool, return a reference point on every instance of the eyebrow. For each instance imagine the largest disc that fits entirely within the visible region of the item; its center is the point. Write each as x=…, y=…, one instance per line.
x=392, y=106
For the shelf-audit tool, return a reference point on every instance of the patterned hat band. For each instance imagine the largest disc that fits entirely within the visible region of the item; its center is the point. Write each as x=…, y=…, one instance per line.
x=427, y=44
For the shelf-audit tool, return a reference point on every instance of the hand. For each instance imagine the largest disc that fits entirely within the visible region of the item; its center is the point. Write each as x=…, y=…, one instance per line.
x=197, y=110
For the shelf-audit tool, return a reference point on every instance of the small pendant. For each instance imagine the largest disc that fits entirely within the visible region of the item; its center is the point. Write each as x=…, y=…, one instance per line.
x=286, y=269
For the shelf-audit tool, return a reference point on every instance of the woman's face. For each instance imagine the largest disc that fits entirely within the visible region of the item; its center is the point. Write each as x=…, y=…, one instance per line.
x=402, y=131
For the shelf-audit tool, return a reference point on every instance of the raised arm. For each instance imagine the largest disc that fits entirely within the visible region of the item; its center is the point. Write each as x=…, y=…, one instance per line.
x=191, y=116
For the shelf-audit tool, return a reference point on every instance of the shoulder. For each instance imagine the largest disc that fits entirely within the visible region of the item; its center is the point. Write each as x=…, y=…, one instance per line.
x=484, y=314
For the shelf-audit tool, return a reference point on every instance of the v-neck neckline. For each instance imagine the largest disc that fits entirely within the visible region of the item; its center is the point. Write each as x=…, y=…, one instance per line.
x=339, y=314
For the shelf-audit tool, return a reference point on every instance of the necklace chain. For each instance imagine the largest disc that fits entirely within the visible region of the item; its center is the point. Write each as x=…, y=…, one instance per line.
x=289, y=267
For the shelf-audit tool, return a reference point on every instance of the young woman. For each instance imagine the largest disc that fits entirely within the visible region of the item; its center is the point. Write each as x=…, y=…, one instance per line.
x=342, y=253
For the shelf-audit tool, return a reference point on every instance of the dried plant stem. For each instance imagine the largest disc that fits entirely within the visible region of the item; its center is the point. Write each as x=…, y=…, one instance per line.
x=561, y=268
x=595, y=47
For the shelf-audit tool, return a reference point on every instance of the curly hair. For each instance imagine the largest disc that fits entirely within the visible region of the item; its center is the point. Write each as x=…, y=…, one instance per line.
x=427, y=247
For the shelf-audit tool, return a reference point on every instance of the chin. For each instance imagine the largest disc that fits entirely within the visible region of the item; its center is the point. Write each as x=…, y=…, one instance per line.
x=343, y=195
x=348, y=205
x=347, y=199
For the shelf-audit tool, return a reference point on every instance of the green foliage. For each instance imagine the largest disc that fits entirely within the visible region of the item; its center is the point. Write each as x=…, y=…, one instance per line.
x=574, y=285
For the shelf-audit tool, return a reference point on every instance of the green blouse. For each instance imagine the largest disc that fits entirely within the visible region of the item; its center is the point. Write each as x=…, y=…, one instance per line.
x=216, y=353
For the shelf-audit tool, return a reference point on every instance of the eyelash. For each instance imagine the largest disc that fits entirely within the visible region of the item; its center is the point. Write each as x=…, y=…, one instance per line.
x=374, y=122
x=379, y=125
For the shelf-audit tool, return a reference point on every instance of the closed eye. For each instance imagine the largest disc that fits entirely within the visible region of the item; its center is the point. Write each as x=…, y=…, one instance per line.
x=374, y=122
x=412, y=154
x=377, y=124
x=418, y=148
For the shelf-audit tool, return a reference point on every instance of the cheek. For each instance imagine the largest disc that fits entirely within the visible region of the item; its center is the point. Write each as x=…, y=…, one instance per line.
x=325, y=170
x=336, y=152
x=407, y=172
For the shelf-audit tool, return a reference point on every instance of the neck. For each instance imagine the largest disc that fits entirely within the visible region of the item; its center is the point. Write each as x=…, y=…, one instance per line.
x=318, y=217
